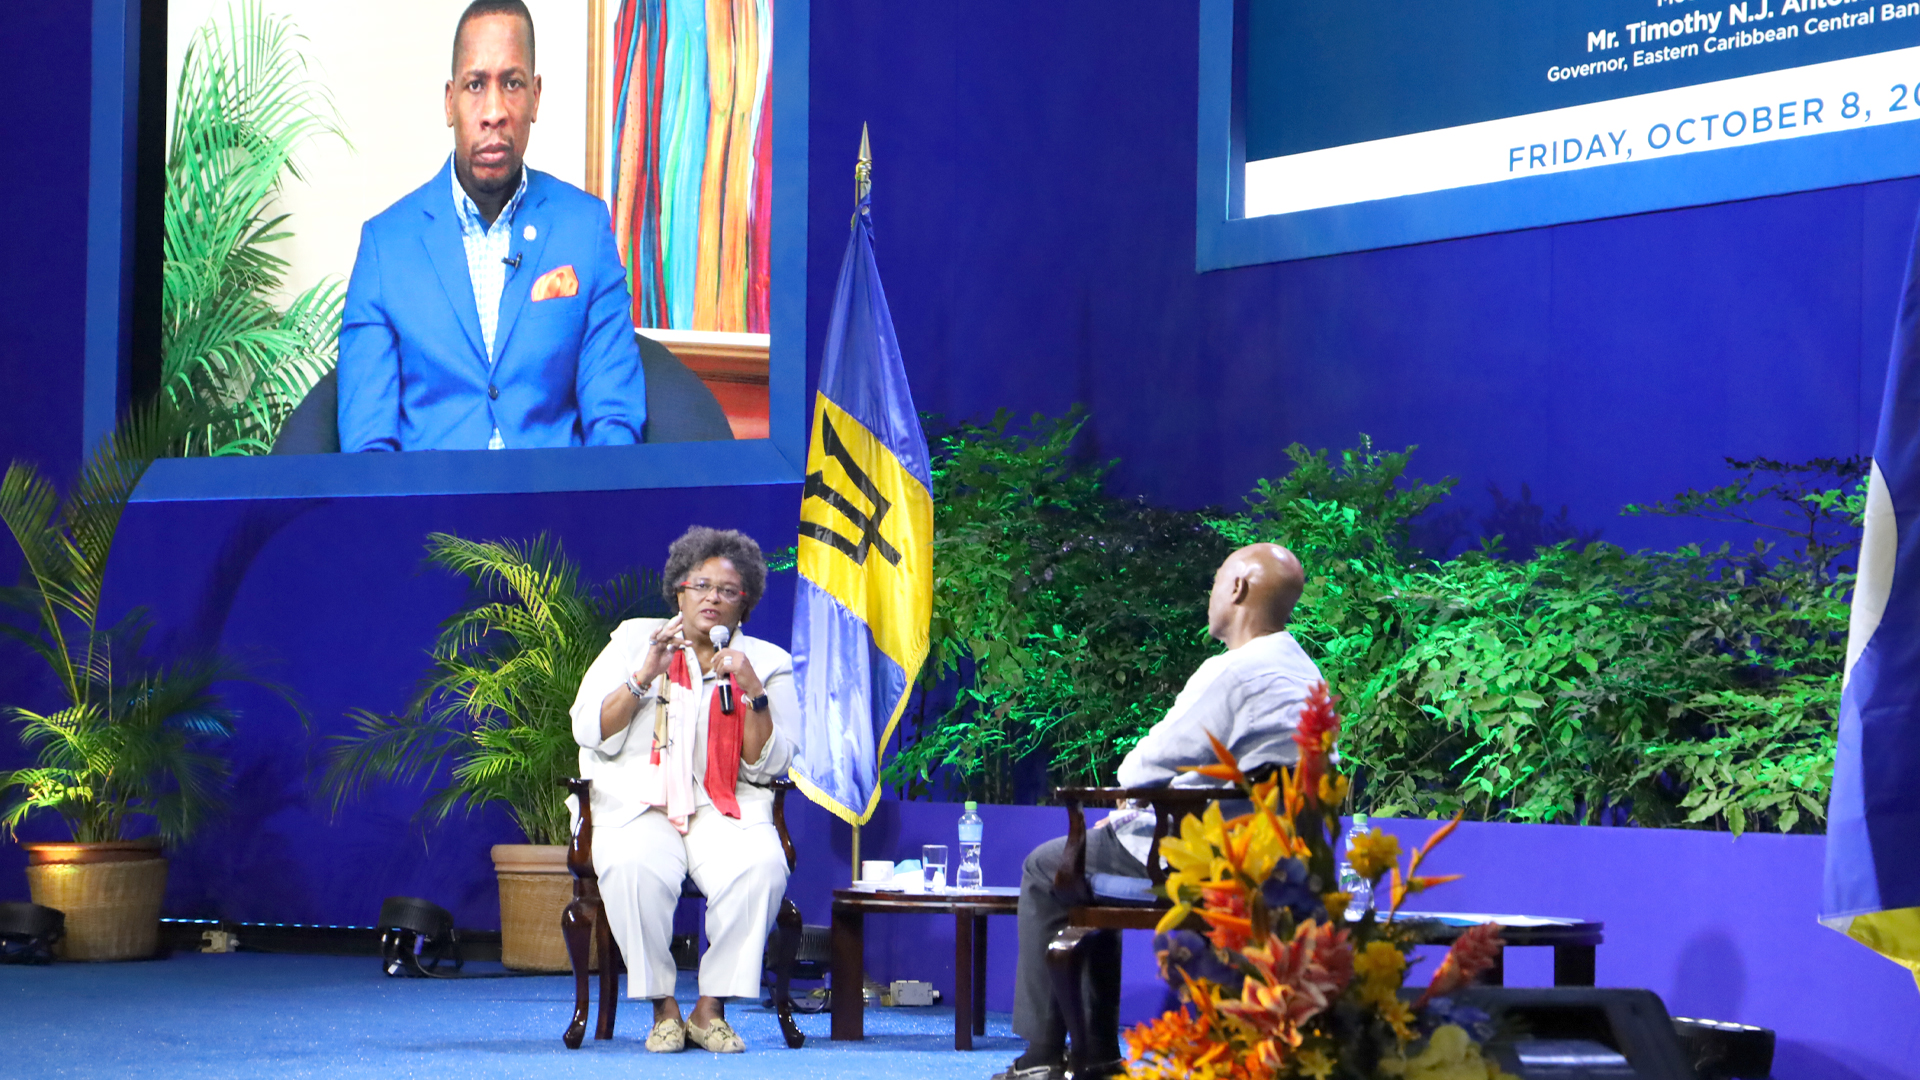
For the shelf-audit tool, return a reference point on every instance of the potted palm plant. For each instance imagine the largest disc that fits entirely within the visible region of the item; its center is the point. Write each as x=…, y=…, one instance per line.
x=129, y=760
x=493, y=714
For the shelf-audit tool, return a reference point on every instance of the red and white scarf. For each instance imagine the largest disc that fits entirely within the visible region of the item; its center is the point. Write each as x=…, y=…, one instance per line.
x=669, y=786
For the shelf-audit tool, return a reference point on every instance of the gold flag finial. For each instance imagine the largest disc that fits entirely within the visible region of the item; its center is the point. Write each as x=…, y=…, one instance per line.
x=863, y=170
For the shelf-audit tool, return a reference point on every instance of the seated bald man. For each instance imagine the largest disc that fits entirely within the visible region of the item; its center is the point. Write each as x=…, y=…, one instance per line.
x=1249, y=697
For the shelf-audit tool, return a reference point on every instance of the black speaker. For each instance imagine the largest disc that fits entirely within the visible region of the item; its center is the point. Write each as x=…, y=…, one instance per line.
x=417, y=938
x=28, y=933
x=1723, y=1051
x=1581, y=1033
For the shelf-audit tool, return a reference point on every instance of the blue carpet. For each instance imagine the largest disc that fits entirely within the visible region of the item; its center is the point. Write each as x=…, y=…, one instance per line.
x=248, y=1016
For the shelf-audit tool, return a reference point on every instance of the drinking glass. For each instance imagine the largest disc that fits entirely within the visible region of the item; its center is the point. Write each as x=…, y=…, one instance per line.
x=933, y=866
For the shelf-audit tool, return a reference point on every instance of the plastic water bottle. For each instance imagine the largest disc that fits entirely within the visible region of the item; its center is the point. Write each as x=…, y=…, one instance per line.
x=1350, y=879
x=968, y=875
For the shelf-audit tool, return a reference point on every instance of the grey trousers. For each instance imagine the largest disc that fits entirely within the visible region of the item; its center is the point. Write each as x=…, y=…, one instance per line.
x=1035, y=1016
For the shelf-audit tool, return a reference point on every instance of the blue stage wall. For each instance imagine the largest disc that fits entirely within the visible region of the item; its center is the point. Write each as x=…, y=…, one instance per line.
x=1034, y=178
x=42, y=303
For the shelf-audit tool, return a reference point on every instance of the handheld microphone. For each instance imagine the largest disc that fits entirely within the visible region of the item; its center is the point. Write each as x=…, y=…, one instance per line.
x=513, y=262
x=720, y=635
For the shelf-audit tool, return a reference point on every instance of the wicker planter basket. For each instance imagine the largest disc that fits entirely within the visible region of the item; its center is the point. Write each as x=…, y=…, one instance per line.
x=534, y=889
x=109, y=892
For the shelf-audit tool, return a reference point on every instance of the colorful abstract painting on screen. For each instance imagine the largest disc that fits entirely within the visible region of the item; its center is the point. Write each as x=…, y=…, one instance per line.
x=691, y=149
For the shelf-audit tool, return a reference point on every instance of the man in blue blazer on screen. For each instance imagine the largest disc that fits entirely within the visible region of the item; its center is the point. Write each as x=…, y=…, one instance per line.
x=489, y=309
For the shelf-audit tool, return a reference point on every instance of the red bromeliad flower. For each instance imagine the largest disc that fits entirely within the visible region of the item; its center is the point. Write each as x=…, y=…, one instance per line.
x=1473, y=952
x=1319, y=727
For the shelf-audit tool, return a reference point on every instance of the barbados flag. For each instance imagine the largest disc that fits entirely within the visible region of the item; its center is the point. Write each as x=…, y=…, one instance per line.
x=1872, y=888
x=860, y=619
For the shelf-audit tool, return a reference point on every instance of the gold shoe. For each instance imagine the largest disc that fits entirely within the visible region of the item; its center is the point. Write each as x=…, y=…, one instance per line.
x=718, y=1037
x=667, y=1037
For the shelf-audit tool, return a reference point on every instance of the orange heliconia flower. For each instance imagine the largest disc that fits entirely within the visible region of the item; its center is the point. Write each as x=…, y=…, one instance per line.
x=1407, y=886
x=1230, y=924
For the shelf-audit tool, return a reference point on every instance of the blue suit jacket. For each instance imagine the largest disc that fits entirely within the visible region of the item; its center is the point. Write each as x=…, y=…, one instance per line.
x=413, y=364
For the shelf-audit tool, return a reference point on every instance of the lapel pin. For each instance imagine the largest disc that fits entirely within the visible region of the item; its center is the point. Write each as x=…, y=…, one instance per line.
x=530, y=232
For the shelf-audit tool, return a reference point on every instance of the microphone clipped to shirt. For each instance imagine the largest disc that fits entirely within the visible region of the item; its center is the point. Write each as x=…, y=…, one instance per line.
x=514, y=261
x=720, y=635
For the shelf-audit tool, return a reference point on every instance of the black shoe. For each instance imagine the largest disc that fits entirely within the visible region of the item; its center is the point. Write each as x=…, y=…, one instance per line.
x=1032, y=1072
x=1100, y=1071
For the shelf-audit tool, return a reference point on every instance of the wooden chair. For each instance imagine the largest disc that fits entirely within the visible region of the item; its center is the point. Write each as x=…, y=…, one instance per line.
x=584, y=922
x=1099, y=908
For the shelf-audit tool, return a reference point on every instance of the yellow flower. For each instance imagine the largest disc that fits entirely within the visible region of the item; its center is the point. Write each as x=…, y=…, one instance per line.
x=1191, y=851
x=1266, y=794
x=1333, y=789
x=1175, y=915
x=1399, y=1017
x=1265, y=847
x=1373, y=854
x=1213, y=825
x=1336, y=903
x=1381, y=969
x=1313, y=1063
x=1379, y=959
x=1450, y=1054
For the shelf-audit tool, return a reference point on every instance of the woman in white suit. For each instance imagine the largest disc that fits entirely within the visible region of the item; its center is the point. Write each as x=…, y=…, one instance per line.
x=678, y=782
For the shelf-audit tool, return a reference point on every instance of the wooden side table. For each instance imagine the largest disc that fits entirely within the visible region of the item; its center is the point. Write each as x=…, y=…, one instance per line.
x=970, y=910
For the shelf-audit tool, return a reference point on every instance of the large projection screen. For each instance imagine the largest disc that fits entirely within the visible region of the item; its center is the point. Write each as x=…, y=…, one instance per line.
x=1327, y=128
x=383, y=72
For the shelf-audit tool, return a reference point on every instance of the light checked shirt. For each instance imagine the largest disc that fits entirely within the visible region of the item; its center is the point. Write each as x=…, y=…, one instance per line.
x=488, y=248
x=1249, y=698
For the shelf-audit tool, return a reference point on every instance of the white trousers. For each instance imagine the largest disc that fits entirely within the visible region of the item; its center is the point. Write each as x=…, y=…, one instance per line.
x=738, y=866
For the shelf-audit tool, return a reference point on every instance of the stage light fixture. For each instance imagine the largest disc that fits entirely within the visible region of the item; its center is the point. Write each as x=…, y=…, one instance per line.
x=29, y=932
x=417, y=937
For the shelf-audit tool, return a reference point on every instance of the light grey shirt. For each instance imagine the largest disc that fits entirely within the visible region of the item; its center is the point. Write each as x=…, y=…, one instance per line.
x=1249, y=698
x=487, y=247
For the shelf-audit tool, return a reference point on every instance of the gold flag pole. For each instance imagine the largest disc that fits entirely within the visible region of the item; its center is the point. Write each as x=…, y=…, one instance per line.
x=862, y=172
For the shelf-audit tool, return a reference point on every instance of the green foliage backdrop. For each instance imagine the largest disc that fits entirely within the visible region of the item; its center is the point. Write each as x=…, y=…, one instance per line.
x=1583, y=683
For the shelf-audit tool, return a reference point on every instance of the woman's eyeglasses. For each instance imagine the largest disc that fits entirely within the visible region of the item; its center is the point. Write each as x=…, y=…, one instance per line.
x=730, y=593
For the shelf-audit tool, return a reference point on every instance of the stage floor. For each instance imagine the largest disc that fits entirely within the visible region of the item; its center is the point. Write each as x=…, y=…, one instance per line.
x=247, y=1016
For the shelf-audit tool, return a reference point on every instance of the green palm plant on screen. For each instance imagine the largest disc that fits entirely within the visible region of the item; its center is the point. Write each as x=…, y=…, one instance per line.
x=243, y=107
x=131, y=738
x=494, y=711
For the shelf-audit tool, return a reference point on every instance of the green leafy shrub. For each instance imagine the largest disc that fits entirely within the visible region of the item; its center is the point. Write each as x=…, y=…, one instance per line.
x=1065, y=614
x=1580, y=684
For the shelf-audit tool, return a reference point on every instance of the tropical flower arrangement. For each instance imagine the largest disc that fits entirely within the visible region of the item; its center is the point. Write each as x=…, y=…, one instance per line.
x=1282, y=984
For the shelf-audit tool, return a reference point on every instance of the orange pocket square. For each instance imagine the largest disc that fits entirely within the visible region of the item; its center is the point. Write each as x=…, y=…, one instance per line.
x=556, y=283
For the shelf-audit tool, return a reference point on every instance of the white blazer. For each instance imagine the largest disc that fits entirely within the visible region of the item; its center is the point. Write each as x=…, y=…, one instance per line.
x=617, y=763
